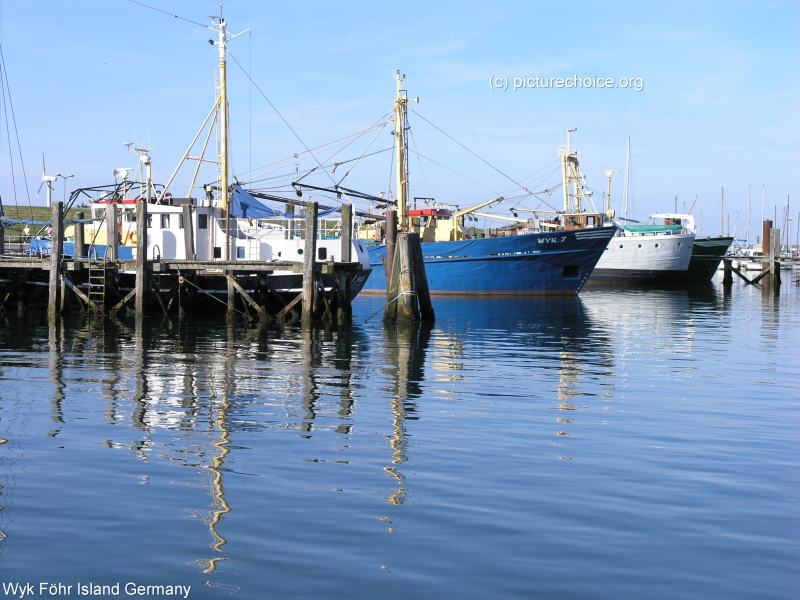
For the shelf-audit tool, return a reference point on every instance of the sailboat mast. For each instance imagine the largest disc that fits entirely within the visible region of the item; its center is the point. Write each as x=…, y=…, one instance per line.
x=627, y=181
x=748, y=214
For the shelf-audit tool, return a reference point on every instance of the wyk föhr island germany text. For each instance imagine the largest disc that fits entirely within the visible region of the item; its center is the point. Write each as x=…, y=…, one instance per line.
x=504, y=83
x=29, y=590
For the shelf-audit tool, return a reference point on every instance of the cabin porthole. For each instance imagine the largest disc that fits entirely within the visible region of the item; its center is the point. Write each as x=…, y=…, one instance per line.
x=640, y=245
x=656, y=245
x=299, y=250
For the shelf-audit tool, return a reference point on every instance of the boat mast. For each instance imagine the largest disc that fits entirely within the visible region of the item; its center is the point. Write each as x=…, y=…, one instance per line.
x=748, y=214
x=401, y=151
x=627, y=181
x=565, y=153
x=223, y=129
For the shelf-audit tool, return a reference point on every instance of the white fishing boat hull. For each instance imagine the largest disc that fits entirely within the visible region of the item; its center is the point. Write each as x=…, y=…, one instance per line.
x=659, y=258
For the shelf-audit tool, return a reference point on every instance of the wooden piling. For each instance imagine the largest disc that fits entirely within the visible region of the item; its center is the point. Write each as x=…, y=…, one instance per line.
x=343, y=291
x=427, y=314
x=22, y=291
x=347, y=232
x=112, y=233
x=391, y=240
x=188, y=232
x=3, y=239
x=727, y=276
x=309, y=260
x=142, y=283
x=56, y=251
x=774, y=255
x=80, y=237
x=766, y=228
x=407, y=295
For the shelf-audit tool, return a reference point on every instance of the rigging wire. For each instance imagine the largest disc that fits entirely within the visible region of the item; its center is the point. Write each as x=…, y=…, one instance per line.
x=424, y=177
x=471, y=152
x=459, y=174
x=246, y=74
x=6, y=88
x=170, y=14
x=362, y=154
x=294, y=157
x=308, y=171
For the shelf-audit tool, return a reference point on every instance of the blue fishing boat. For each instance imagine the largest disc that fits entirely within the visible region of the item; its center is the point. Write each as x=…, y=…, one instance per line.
x=553, y=256
x=557, y=262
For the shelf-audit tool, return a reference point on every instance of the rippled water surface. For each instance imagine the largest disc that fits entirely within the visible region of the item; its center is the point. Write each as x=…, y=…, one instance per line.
x=625, y=444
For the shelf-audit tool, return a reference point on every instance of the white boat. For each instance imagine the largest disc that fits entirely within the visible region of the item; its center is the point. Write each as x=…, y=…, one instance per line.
x=654, y=253
x=228, y=224
x=658, y=252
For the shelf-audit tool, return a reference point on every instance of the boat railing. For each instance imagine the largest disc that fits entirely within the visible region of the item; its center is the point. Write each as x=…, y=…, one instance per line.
x=291, y=229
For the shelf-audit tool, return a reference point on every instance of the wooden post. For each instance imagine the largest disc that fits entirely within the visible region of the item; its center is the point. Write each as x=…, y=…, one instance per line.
x=727, y=274
x=309, y=260
x=343, y=293
x=56, y=250
x=141, y=259
x=188, y=232
x=421, y=279
x=112, y=235
x=230, y=313
x=3, y=240
x=407, y=294
x=774, y=254
x=766, y=248
x=22, y=292
x=347, y=231
x=80, y=237
x=391, y=237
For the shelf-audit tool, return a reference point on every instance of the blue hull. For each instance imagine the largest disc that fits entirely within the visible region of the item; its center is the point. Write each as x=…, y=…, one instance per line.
x=538, y=263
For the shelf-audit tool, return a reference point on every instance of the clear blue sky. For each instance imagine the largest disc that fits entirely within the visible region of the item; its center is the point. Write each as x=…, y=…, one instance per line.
x=719, y=105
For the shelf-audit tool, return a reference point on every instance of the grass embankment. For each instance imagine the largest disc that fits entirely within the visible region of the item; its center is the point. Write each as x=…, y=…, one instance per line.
x=33, y=213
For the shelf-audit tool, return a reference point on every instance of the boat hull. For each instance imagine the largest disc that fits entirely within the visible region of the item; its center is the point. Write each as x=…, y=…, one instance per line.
x=645, y=259
x=706, y=256
x=538, y=263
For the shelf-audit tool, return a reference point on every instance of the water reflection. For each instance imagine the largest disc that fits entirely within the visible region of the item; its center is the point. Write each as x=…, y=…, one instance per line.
x=406, y=347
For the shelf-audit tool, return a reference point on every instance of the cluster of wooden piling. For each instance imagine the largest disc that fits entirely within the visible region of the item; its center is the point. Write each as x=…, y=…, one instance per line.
x=408, y=298
x=170, y=285
x=770, y=265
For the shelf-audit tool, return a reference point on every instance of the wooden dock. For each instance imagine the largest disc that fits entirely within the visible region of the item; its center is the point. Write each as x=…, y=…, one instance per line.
x=268, y=290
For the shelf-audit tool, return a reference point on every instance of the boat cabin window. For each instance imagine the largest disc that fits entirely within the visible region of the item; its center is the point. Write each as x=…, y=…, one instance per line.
x=180, y=221
x=591, y=220
x=164, y=221
x=240, y=252
x=129, y=216
x=572, y=221
x=217, y=252
x=149, y=221
x=202, y=221
x=322, y=252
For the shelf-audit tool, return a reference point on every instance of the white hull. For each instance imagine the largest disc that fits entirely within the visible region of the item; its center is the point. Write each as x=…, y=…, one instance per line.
x=652, y=257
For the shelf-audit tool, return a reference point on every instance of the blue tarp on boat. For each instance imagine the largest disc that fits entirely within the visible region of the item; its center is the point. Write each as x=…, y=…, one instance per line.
x=244, y=206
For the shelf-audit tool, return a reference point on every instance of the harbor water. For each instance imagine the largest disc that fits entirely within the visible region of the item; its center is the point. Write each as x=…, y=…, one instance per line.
x=622, y=444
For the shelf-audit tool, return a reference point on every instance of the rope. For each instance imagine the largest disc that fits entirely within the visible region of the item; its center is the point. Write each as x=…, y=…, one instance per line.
x=214, y=297
x=385, y=306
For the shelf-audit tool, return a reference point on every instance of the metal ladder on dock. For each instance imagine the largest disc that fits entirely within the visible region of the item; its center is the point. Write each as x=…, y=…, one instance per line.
x=97, y=283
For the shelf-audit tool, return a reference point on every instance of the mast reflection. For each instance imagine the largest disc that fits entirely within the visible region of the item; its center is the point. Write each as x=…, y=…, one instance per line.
x=406, y=346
